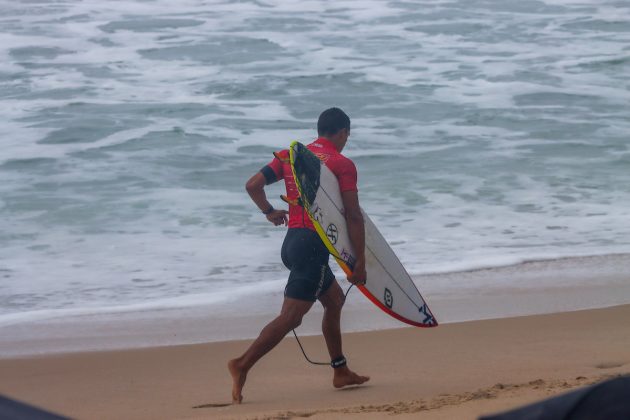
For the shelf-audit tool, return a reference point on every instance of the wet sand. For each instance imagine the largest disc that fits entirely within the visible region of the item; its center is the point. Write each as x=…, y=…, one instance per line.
x=458, y=370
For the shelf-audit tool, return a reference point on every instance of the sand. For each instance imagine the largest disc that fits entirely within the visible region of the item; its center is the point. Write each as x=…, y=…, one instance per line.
x=458, y=370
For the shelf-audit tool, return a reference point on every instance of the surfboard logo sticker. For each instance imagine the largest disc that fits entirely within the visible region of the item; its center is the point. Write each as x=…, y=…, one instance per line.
x=388, y=298
x=332, y=233
x=429, y=320
x=317, y=214
x=348, y=258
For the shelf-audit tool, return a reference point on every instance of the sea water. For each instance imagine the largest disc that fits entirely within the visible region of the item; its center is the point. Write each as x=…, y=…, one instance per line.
x=485, y=133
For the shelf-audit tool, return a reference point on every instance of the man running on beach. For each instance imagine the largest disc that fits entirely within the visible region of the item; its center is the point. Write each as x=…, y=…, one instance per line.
x=306, y=256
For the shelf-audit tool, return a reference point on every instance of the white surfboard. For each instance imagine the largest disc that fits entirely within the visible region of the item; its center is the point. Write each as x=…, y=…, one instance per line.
x=388, y=285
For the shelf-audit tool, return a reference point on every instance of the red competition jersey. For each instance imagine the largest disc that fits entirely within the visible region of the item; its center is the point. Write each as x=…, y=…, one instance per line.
x=280, y=168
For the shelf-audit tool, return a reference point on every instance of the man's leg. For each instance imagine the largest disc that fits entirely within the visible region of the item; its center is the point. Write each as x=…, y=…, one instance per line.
x=333, y=301
x=290, y=317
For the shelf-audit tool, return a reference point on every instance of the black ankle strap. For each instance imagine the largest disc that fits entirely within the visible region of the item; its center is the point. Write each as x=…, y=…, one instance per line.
x=338, y=362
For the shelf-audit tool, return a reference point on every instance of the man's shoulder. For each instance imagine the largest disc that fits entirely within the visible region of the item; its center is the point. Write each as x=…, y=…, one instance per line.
x=339, y=163
x=344, y=159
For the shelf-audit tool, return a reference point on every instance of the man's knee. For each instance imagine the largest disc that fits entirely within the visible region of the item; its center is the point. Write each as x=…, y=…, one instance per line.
x=294, y=320
x=293, y=310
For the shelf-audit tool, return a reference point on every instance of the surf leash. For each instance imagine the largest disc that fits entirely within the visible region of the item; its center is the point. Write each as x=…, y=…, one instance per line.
x=300, y=344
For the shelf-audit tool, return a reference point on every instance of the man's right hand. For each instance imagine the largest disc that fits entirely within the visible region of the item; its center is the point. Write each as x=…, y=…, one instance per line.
x=356, y=231
x=278, y=217
x=359, y=275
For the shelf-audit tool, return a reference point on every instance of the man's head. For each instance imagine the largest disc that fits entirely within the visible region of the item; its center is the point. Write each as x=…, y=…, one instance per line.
x=334, y=124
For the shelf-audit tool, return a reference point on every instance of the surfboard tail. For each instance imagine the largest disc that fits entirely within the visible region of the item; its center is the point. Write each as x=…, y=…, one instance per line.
x=430, y=323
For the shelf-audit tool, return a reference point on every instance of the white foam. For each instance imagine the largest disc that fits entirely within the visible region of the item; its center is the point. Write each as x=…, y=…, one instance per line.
x=215, y=298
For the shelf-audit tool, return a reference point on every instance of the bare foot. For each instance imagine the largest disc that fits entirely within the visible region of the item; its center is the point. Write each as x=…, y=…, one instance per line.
x=238, y=379
x=345, y=377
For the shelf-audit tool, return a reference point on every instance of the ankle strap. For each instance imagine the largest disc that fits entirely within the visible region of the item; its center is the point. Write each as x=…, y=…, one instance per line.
x=338, y=362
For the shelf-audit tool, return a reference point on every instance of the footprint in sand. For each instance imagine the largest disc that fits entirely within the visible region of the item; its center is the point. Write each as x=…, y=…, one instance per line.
x=609, y=365
x=213, y=405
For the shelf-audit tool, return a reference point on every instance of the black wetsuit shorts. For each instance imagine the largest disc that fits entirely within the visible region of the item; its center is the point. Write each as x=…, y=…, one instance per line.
x=304, y=253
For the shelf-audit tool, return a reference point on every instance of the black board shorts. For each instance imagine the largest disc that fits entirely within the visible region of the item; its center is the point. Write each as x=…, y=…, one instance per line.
x=304, y=253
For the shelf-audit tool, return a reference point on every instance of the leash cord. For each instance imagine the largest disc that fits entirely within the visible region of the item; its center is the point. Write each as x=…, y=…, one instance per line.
x=300, y=344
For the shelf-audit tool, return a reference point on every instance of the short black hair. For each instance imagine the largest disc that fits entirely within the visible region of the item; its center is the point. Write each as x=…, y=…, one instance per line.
x=331, y=121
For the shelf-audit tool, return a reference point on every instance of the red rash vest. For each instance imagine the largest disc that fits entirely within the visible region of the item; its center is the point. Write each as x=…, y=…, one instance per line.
x=280, y=168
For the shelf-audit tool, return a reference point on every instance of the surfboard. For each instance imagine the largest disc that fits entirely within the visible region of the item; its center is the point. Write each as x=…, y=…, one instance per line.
x=388, y=285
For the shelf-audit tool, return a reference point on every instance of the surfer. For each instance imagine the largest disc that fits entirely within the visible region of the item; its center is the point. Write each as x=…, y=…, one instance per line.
x=306, y=256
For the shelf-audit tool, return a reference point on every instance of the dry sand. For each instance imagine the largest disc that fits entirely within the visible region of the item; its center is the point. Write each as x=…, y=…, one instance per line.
x=456, y=371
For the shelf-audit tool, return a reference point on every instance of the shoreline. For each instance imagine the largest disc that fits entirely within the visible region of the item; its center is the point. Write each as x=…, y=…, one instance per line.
x=540, y=287
x=458, y=369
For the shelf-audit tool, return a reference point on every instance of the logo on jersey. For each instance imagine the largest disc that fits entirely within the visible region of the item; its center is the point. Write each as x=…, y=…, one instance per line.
x=322, y=156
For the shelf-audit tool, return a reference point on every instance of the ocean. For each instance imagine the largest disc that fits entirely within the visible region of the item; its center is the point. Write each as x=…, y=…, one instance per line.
x=485, y=133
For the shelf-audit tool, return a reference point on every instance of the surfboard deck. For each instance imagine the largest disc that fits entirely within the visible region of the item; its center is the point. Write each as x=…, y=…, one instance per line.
x=388, y=285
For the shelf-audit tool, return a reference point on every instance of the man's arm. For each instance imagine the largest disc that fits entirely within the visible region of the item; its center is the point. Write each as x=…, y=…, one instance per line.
x=256, y=189
x=356, y=231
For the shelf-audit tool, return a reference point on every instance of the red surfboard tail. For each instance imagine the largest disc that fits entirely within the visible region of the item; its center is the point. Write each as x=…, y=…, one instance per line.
x=393, y=314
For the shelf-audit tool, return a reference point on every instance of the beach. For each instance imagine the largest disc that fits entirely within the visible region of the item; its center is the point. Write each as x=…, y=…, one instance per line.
x=458, y=370
x=490, y=141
